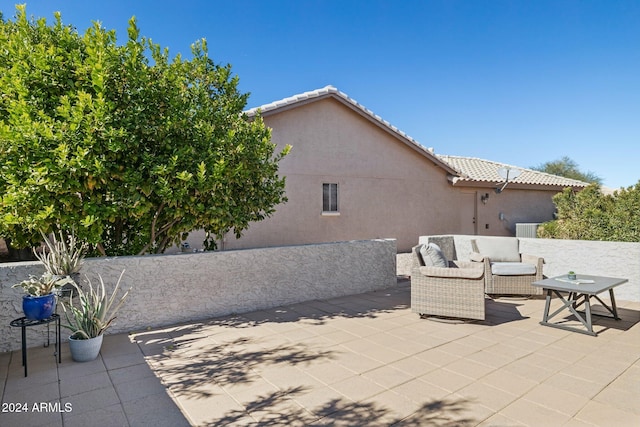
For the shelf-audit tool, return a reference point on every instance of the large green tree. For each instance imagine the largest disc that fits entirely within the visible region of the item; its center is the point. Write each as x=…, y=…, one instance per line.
x=568, y=168
x=130, y=148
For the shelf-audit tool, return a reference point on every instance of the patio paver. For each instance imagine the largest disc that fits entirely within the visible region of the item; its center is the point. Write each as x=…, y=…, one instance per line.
x=350, y=361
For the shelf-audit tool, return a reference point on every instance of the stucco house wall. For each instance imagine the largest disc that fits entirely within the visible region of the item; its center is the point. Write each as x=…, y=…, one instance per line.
x=389, y=186
x=516, y=206
x=385, y=187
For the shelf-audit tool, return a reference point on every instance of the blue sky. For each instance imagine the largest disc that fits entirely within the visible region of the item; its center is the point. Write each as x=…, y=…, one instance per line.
x=519, y=82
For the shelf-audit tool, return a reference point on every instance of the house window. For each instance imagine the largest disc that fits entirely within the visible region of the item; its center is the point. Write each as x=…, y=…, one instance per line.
x=329, y=198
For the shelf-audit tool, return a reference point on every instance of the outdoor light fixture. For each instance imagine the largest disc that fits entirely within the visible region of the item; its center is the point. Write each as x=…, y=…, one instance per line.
x=484, y=198
x=506, y=174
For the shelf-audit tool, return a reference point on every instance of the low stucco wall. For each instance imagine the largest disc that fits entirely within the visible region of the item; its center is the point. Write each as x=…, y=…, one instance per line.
x=614, y=259
x=169, y=289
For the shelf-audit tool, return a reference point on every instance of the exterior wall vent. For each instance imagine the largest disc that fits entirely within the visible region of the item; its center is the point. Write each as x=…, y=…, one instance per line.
x=527, y=230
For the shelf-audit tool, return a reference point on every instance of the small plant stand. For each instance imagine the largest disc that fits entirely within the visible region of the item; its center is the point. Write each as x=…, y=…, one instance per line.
x=23, y=323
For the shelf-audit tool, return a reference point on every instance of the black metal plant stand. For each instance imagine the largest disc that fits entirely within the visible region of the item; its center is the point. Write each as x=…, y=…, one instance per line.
x=24, y=323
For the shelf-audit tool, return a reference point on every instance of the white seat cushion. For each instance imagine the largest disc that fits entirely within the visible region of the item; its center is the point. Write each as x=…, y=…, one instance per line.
x=512, y=268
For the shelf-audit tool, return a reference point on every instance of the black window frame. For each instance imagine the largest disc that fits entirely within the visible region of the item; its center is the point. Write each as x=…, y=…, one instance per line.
x=330, y=197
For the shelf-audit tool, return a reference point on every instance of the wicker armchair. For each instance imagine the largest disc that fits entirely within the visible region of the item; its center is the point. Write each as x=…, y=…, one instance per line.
x=506, y=270
x=457, y=291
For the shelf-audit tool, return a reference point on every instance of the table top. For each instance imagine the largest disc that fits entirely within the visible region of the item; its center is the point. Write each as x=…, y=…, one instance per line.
x=597, y=283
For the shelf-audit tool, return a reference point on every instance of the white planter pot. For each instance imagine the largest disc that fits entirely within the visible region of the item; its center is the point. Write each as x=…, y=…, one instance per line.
x=85, y=350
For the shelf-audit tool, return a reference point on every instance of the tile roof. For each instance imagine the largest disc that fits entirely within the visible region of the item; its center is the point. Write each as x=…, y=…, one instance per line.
x=473, y=169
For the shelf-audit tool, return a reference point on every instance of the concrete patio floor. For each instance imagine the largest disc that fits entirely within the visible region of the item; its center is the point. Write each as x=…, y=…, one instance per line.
x=361, y=360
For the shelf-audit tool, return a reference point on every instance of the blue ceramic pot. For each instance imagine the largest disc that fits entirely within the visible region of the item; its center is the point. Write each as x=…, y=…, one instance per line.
x=38, y=308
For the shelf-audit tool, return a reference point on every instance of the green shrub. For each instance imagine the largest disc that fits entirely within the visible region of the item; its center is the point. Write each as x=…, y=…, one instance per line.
x=592, y=215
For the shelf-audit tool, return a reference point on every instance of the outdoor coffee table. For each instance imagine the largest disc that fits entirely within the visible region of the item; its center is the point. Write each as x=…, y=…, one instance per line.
x=580, y=292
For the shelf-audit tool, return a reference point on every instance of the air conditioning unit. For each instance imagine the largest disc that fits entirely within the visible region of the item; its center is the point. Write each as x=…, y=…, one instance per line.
x=527, y=230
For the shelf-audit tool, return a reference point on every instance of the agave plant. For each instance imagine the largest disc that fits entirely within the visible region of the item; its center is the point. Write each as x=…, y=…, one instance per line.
x=44, y=285
x=62, y=257
x=95, y=311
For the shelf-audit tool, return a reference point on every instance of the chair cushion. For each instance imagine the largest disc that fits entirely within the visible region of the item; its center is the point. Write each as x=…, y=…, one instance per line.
x=512, y=269
x=499, y=249
x=454, y=273
x=432, y=256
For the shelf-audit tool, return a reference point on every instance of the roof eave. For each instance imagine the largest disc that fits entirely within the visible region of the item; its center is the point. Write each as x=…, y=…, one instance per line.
x=512, y=185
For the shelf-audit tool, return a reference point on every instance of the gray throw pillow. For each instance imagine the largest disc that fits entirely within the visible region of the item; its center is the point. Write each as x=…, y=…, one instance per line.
x=433, y=256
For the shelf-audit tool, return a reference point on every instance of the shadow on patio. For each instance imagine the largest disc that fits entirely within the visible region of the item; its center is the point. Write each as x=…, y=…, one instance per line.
x=367, y=360
x=343, y=412
x=359, y=360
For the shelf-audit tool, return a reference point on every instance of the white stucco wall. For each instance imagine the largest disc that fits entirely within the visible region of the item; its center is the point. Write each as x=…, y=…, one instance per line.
x=169, y=289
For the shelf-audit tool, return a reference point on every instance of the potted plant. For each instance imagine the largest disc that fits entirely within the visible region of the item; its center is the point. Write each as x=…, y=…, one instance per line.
x=90, y=317
x=40, y=300
x=63, y=258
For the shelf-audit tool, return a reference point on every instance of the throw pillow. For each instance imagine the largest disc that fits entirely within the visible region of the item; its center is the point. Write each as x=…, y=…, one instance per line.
x=499, y=249
x=433, y=256
x=426, y=259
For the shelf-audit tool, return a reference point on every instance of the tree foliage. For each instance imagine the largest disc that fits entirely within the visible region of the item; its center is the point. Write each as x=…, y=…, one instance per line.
x=128, y=147
x=568, y=168
x=592, y=215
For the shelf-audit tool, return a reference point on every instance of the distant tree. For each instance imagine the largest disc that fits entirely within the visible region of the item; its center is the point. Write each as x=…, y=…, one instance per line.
x=568, y=168
x=130, y=149
x=591, y=215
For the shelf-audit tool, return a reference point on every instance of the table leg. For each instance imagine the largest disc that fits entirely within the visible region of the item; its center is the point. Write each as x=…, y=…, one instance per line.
x=613, y=309
x=573, y=297
x=613, y=304
x=587, y=313
x=547, y=305
x=569, y=305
